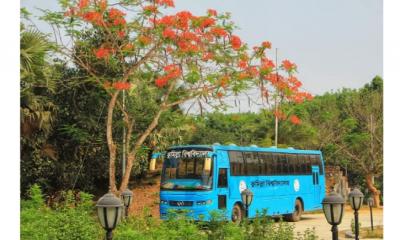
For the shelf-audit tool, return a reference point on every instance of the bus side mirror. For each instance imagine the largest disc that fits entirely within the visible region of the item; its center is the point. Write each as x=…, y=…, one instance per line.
x=207, y=164
x=152, y=166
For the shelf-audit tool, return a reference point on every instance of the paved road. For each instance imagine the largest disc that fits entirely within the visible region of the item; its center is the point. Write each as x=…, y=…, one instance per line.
x=322, y=228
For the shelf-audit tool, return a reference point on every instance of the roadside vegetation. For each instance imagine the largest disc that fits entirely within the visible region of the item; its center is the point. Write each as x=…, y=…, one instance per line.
x=73, y=217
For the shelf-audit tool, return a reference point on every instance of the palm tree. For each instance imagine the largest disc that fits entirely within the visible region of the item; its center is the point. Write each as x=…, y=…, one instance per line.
x=37, y=110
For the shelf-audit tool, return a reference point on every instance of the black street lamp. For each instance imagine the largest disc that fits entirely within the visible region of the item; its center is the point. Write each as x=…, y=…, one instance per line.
x=356, y=199
x=333, y=205
x=247, y=199
x=371, y=204
x=109, y=211
x=127, y=197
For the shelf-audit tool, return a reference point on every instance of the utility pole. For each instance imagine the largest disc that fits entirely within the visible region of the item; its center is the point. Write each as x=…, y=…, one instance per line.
x=123, y=137
x=276, y=100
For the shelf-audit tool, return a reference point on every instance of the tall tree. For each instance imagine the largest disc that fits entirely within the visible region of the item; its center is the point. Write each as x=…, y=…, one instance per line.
x=363, y=139
x=176, y=58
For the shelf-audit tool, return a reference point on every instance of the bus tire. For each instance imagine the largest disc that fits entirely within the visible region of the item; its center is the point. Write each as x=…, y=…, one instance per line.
x=296, y=215
x=237, y=213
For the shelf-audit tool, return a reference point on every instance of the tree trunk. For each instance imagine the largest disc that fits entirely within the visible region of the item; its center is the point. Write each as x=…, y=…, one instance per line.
x=138, y=144
x=112, y=148
x=375, y=192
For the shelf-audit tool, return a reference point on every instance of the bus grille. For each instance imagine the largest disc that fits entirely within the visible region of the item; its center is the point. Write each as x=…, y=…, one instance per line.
x=181, y=203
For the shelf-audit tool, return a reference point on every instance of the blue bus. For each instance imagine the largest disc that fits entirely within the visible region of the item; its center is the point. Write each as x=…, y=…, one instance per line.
x=202, y=178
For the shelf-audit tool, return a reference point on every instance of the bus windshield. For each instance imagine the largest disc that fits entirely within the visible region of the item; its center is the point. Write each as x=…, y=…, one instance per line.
x=187, y=170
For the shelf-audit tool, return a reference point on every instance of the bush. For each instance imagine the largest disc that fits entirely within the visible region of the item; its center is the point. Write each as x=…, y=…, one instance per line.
x=74, y=218
x=71, y=219
x=178, y=227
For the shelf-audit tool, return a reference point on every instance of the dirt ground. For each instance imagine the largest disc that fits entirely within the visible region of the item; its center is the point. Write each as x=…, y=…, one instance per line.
x=146, y=196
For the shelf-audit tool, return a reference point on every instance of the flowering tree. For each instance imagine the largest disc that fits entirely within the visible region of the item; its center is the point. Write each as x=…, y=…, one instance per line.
x=131, y=45
x=275, y=88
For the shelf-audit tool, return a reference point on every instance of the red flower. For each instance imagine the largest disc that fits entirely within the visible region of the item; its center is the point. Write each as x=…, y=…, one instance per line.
x=83, y=3
x=236, y=42
x=167, y=20
x=168, y=3
x=220, y=94
x=93, y=17
x=280, y=115
x=266, y=44
x=242, y=64
x=207, y=56
x=103, y=52
x=144, y=40
x=295, y=120
x=119, y=21
x=190, y=36
x=266, y=64
x=121, y=85
x=244, y=75
x=121, y=34
x=161, y=82
x=169, y=33
x=150, y=9
x=114, y=13
x=212, y=12
x=224, y=81
x=173, y=71
x=169, y=49
x=128, y=46
x=288, y=66
x=103, y=5
x=218, y=31
x=207, y=22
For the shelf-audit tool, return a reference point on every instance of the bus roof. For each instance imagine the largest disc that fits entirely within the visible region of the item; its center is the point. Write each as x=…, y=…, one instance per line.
x=248, y=148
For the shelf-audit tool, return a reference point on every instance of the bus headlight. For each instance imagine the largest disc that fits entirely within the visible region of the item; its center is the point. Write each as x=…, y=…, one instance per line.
x=205, y=202
x=163, y=202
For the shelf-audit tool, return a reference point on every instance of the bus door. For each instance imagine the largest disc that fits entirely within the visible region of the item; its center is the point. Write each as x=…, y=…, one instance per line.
x=222, y=188
x=316, y=185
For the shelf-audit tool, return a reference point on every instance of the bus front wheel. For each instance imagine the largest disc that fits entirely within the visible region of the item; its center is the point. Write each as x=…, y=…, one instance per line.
x=296, y=215
x=237, y=213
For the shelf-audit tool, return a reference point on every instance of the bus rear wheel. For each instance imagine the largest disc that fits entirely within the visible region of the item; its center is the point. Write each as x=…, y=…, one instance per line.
x=296, y=215
x=237, y=213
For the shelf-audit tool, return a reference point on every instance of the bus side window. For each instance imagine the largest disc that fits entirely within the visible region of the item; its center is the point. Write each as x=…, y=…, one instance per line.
x=236, y=163
x=309, y=163
x=292, y=160
x=303, y=160
x=265, y=163
x=252, y=163
x=283, y=164
x=222, y=178
x=275, y=166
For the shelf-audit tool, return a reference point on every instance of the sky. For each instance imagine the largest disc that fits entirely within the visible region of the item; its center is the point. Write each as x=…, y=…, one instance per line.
x=335, y=44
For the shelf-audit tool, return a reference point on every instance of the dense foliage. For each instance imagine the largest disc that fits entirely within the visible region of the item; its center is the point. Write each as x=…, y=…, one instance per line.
x=73, y=217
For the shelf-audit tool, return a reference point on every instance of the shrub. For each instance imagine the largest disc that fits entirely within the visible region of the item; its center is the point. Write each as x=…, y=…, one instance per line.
x=71, y=219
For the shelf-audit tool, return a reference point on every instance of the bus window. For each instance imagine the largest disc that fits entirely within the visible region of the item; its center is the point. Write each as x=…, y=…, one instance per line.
x=292, y=160
x=283, y=164
x=266, y=162
x=275, y=164
x=302, y=163
x=252, y=163
x=236, y=163
x=309, y=163
x=222, y=178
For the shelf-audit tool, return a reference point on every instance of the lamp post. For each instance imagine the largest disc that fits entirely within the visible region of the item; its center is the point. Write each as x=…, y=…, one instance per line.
x=109, y=211
x=127, y=197
x=371, y=204
x=356, y=199
x=247, y=199
x=333, y=206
